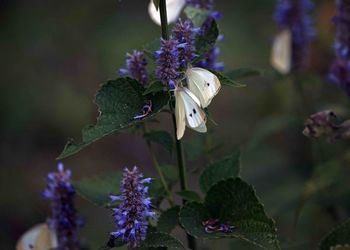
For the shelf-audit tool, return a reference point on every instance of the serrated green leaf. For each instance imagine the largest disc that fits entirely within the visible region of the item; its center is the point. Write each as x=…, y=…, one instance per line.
x=225, y=80
x=234, y=202
x=339, y=235
x=161, y=239
x=119, y=101
x=96, y=189
x=206, y=41
x=189, y=195
x=168, y=220
x=196, y=15
x=228, y=167
x=155, y=87
x=163, y=138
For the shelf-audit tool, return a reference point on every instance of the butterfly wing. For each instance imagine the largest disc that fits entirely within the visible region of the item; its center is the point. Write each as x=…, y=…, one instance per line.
x=281, y=55
x=203, y=84
x=174, y=8
x=39, y=237
x=195, y=116
x=179, y=115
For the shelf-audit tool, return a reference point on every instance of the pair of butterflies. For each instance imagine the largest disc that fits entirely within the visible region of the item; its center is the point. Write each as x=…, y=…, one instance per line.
x=202, y=86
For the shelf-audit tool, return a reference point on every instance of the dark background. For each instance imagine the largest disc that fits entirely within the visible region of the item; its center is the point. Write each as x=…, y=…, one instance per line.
x=55, y=54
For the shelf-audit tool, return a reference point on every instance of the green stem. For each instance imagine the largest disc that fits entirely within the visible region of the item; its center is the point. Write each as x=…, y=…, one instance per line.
x=179, y=150
x=159, y=170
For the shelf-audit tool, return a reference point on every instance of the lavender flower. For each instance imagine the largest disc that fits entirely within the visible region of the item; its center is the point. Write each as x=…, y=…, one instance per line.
x=167, y=62
x=136, y=66
x=294, y=15
x=63, y=219
x=134, y=210
x=184, y=33
x=340, y=69
x=201, y=4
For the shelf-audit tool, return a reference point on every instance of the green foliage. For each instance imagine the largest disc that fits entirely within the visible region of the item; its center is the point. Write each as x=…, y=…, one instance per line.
x=225, y=80
x=189, y=195
x=234, y=202
x=119, y=101
x=206, y=41
x=196, y=15
x=163, y=138
x=340, y=235
x=168, y=220
x=97, y=188
x=155, y=87
x=161, y=239
x=228, y=167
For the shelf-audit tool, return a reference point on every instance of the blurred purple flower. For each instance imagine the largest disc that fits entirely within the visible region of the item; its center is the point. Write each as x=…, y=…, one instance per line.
x=201, y=4
x=63, y=220
x=184, y=33
x=132, y=214
x=136, y=67
x=167, y=62
x=294, y=16
x=340, y=69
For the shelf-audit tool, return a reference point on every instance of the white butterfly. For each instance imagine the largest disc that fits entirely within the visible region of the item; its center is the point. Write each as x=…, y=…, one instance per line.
x=174, y=8
x=203, y=84
x=39, y=237
x=281, y=54
x=188, y=112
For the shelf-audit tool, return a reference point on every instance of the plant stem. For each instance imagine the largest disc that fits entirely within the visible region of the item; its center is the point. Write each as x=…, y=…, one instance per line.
x=179, y=150
x=157, y=166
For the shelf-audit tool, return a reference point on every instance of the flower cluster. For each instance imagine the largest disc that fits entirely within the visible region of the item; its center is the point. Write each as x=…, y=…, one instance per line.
x=294, y=16
x=340, y=69
x=201, y=4
x=167, y=62
x=63, y=219
x=131, y=216
x=136, y=67
x=184, y=33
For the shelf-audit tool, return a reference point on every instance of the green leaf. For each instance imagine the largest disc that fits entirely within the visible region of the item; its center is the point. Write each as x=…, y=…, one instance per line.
x=228, y=167
x=163, y=138
x=234, y=202
x=245, y=72
x=156, y=4
x=340, y=235
x=206, y=41
x=225, y=80
x=119, y=101
x=96, y=189
x=168, y=220
x=155, y=87
x=161, y=239
x=189, y=195
x=196, y=15
x=112, y=243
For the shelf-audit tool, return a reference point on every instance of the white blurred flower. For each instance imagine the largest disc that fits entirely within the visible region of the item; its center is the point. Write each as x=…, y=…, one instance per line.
x=174, y=8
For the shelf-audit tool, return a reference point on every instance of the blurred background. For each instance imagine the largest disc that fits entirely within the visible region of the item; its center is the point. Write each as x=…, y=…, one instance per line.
x=55, y=54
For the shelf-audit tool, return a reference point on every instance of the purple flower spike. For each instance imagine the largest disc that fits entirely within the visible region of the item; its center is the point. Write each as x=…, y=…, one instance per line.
x=210, y=60
x=340, y=69
x=131, y=216
x=63, y=219
x=201, y=4
x=184, y=33
x=294, y=16
x=167, y=61
x=136, y=67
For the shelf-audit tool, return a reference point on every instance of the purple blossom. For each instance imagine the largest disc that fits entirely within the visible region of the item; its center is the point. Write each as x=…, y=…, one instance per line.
x=132, y=214
x=63, y=220
x=294, y=15
x=201, y=4
x=340, y=69
x=184, y=33
x=136, y=66
x=167, y=61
